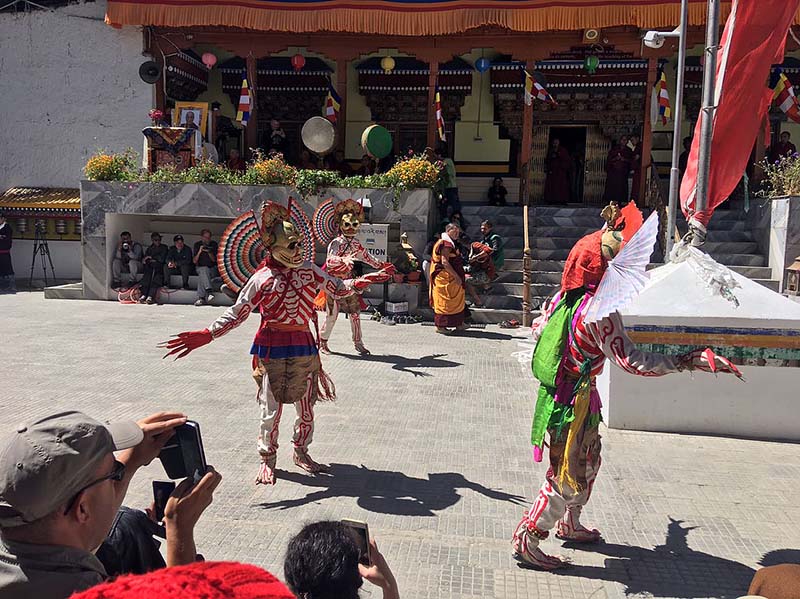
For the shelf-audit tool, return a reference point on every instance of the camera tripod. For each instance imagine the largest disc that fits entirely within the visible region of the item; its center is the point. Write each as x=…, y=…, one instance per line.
x=40, y=248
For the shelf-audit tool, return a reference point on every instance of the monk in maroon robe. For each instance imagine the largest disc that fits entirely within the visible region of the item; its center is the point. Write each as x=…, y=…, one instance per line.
x=618, y=165
x=636, y=167
x=782, y=149
x=558, y=165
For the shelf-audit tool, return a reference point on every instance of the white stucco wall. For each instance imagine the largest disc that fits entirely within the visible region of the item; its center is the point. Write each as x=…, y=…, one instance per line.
x=69, y=85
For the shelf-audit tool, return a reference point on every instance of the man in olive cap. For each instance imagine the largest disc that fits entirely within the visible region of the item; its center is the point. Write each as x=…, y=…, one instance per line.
x=61, y=485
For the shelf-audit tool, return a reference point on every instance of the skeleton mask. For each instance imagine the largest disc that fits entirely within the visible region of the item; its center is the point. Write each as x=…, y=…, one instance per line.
x=288, y=245
x=349, y=224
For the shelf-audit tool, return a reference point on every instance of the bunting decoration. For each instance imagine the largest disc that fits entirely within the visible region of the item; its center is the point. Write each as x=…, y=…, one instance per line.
x=333, y=103
x=534, y=90
x=243, y=112
x=783, y=95
x=439, y=117
x=660, y=107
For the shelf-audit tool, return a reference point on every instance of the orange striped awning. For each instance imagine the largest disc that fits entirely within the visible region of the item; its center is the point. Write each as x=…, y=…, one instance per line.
x=41, y=198
x=405, y=17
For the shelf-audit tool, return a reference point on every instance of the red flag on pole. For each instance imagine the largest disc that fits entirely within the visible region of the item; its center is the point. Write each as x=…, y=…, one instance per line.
x=753, y=40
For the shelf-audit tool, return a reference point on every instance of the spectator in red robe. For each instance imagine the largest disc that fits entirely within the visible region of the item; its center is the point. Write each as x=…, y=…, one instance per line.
x=618, y=165
x=235, y=162
x=782, y=149
x=558, y=165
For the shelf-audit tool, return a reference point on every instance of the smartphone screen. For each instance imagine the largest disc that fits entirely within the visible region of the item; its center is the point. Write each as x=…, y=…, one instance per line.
x=360, y=532
x=161, y=492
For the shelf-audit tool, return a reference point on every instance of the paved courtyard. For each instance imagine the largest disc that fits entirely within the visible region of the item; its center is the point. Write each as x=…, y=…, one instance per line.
x=428, y=443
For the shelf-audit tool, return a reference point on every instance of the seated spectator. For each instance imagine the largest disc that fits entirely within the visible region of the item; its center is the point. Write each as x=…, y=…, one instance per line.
x=179, y=261
x=154, y=260
x=201, y=580
x=336, y=162
x=205, y=261
x=307, y=161
x=494, y=241
x=481, y=271
x=60, y=488
x=497, y=193
x=127, y=258
x=322, y=562
x=235, y=162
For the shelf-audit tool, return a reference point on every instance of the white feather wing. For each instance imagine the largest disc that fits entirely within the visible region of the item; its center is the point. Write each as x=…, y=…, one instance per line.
x=626, y=275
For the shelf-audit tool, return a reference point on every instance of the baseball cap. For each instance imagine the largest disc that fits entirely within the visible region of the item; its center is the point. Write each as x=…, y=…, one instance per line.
x=206, y=580
x=45, y=463
x=177, y=237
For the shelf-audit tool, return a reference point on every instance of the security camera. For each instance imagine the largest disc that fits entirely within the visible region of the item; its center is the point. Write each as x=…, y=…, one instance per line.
x=654, y=39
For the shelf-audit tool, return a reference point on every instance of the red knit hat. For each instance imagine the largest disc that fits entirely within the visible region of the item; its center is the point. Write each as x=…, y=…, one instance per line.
x=201, y=580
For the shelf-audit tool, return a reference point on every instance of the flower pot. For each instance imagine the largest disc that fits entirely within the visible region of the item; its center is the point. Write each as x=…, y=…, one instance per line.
x=398, y=277
x=413, y=276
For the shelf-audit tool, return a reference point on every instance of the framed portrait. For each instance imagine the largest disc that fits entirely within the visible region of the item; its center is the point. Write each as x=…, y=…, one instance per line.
x=662, y=140
x=193, y=115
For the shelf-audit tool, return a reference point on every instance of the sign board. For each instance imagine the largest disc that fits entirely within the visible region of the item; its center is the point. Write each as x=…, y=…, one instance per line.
x=376, y=239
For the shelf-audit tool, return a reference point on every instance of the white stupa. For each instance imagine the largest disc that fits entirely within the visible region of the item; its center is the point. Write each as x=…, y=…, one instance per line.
x=678, y=311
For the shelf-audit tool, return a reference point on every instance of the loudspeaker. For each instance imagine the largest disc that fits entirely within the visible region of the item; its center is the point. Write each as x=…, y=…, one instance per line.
x=150, y=72
x=591, y=36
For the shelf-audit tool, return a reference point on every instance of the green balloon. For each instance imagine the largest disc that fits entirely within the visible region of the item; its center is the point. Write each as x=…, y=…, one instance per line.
x=591, y=63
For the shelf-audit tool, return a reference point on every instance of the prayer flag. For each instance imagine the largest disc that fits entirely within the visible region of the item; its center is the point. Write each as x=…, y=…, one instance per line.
x=783, y=95
x=535, y=90
x=333, y=103
x=243, y=112
x=439, y=117
x=660, y=106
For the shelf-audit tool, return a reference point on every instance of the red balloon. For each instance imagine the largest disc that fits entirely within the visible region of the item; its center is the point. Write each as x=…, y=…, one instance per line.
x=298, y=61
x=209, y=59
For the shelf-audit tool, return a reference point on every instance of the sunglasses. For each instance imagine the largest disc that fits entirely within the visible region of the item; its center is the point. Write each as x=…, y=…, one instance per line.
x=117, y=474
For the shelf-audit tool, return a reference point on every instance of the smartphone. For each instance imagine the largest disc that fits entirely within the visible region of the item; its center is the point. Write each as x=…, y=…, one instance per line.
x=360, y=531
x=183, y=455
x=161, y=492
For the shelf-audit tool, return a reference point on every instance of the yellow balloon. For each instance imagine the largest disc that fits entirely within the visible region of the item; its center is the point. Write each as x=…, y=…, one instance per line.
x=387, y=63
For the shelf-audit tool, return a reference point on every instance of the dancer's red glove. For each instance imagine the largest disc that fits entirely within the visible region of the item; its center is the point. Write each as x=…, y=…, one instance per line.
x=388, y=268
x=707, y=361
x=183, y=343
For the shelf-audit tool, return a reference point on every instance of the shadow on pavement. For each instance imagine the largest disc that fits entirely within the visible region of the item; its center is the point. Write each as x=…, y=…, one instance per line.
x=404, y=364
x=386, y=491
x=669, y=570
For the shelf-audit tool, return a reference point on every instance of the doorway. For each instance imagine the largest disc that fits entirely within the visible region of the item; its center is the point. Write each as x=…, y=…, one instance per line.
x=573, y=139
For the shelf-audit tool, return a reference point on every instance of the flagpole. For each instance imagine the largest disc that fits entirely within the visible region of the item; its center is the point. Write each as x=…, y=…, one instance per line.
x=707, y=115
x=677, y=134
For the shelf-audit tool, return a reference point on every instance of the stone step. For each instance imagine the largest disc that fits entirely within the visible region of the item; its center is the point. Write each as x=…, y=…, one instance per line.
x=483, y=211
x=769, y=284
x=512, y=264
x=553, y=243
x=503, y=302
x=513, y=254
x=593, y=222
x=503, y=288
x=550, y=254
x=552, y=277
x=731, y=247
x=68, y=291
x=547, y=265
x=739, y=259
x=545, y=289
x=189, y=296
x=753, y=272
x=509, y=276
x=720, y=236
x=567, y=211
x=566, y=231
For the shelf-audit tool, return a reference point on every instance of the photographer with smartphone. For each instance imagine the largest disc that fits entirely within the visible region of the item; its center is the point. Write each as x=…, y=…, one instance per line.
x=62, y=480
x=205, y=260
x=332, y=559
x=127, y=258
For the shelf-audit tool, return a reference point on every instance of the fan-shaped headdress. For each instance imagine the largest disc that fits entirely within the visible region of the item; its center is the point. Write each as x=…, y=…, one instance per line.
x=244, y=245
x=328, y=216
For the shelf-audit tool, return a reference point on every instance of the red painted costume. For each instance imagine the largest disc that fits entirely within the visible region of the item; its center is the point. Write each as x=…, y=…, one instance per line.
x=343, y=219
x=580, y=329
x=286, y=362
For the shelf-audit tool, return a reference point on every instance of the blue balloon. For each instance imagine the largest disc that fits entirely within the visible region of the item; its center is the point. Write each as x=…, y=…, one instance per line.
x=483, y=64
